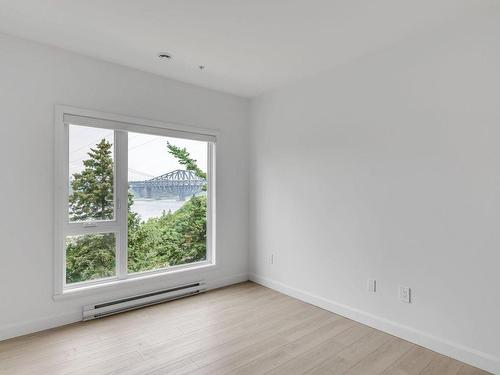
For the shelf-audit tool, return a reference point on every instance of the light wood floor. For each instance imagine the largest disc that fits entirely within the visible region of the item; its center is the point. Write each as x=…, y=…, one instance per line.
x=242, y=329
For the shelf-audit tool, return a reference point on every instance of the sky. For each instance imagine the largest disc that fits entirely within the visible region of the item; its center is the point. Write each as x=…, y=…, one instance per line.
x=148, y=156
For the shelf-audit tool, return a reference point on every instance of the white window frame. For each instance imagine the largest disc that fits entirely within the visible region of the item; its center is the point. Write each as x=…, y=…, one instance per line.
x=64, y=115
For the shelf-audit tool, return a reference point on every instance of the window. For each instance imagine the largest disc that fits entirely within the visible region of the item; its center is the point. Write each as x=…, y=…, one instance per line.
x=133, y=198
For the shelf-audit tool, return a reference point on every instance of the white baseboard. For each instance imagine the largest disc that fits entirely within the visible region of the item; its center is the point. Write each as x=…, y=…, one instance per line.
x=20, y=329
x=219, y=283
x=451, y=349
x=25, y=328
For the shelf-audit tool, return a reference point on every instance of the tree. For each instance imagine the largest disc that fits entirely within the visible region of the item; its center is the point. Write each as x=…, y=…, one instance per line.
x=90, y=257
x=184, y=158
x=192, y=222
x=171, y=239
x=174, y=238
x=92, y=196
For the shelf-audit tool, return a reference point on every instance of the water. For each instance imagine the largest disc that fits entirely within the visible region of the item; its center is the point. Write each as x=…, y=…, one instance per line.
x=148, y=208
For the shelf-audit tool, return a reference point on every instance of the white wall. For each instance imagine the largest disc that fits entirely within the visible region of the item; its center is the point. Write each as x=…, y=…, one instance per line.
x=385, y=168
x=389, y=168
x=33, y=78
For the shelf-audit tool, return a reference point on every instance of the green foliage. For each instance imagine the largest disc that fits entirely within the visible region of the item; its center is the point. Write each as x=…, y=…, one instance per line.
x=89, y=257
x=171, y=239
x=92, y=196
x=184, y=158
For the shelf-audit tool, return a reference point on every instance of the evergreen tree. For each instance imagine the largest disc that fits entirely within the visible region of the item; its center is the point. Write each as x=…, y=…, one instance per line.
x=92, y=256
x=92, y=195
x=184, y=158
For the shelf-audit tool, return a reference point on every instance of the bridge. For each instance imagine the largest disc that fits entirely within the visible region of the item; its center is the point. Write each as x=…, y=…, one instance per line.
x=178, y=183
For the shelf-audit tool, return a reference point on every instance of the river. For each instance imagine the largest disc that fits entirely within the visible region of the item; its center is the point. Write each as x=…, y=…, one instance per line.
x=148, y=208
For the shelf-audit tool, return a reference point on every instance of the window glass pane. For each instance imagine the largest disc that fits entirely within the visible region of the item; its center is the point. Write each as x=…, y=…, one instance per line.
x=167, y=201
x=90, y=257
x=91, y=174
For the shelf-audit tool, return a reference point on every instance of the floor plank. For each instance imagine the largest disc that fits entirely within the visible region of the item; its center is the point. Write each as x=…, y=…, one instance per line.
x=241, y=329
x=412, y=363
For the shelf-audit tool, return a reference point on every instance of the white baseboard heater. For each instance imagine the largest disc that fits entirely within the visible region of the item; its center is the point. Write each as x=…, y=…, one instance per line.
x=142, y=300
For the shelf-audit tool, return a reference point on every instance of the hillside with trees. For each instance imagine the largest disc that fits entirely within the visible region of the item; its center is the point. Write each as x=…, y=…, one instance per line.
x=173, y=238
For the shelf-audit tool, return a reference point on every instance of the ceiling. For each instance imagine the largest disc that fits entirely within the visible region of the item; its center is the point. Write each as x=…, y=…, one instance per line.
x=248, y=47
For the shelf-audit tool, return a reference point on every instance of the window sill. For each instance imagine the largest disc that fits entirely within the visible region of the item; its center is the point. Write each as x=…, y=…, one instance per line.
x=117, y=285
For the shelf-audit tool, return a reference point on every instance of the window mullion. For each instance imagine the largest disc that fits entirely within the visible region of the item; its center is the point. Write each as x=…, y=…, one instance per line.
x=121, y=186
x=74, y=229
x=210, y=256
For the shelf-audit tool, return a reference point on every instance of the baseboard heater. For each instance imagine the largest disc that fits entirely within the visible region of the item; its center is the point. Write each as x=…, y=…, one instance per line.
x=142, y=300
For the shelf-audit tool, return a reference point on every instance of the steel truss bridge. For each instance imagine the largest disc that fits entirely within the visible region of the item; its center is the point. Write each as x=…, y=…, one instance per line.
x=178, y=183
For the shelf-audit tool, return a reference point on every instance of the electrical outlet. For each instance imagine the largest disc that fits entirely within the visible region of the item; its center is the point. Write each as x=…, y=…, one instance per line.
x=405, y=294
x=372, y=285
